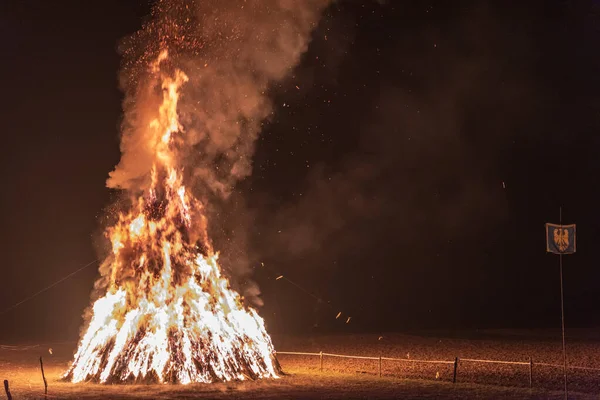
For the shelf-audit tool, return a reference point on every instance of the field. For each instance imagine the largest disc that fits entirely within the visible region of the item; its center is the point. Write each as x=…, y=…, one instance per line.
x=543, y=347
x=343, y=378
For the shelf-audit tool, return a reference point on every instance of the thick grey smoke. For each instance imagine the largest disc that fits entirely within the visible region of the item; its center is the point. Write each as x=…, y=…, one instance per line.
x=231, y=52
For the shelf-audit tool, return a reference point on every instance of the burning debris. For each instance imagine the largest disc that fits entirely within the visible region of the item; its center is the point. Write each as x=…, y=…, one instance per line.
x=166, y=313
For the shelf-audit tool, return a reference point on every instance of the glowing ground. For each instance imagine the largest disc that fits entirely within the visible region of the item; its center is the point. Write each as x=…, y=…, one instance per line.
x=303, y=381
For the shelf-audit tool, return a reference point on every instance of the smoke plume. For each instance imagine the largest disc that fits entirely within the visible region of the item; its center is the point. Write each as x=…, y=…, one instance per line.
x=231, y=52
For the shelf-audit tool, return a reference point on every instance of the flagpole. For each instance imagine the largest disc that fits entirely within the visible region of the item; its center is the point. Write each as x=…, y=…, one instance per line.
x=562, y=312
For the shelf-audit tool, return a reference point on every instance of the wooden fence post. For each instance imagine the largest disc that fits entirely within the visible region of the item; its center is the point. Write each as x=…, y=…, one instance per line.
x=44, y=377
x=380, y=366
x=530, y=372
x=321, y=359
x=455, y=368
x=7, y=390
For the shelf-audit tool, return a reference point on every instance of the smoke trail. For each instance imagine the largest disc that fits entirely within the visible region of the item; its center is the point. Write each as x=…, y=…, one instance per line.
x=231, y=51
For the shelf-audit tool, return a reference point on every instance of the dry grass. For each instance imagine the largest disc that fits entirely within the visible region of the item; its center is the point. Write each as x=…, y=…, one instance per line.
x=582, y=351
x=341, y=379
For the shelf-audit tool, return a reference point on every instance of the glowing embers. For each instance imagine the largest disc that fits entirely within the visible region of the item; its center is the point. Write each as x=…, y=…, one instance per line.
x=199, y=333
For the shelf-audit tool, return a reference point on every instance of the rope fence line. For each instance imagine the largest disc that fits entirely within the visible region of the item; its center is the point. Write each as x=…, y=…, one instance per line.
x=455, y=362
x=474, y=360
x=18, y=348
x=495, y=361
x=31, y=346
x=584, y=368
x=297, y=353
x=418, y=361
x=346, y=356
x=64, y=278
x=568, y=366
x=365, y=357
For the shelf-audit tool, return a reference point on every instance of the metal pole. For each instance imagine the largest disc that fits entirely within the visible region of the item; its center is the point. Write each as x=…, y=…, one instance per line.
x=562, y=313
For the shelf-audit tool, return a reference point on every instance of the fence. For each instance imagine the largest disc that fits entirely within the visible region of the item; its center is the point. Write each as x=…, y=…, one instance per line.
x=455, y=363
x=529, y=365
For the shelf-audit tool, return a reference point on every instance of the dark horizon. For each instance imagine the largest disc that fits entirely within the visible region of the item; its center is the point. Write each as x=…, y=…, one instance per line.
x=404, y=178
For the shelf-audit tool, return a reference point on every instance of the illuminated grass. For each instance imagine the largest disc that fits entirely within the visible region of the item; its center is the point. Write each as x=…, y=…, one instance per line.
x=302, y=381
x=497, y=345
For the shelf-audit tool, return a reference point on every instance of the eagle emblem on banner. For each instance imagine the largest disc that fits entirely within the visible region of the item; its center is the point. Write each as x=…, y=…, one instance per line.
x=560, y=238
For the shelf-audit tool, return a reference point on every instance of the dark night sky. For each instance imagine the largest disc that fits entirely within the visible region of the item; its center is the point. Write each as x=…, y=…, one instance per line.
x=377, y=186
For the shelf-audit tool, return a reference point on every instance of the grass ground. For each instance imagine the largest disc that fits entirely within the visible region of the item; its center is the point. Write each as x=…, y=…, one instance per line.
x=341, y=379
x=543, y=347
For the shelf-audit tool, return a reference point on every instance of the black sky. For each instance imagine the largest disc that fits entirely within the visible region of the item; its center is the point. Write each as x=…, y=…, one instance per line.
x=377, y=185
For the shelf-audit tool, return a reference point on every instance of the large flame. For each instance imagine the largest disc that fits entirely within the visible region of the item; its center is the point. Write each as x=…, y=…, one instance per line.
x=169, y=315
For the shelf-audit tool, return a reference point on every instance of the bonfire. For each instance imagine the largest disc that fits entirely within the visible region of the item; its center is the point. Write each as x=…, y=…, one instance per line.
x=196, y=80
x=169, y=314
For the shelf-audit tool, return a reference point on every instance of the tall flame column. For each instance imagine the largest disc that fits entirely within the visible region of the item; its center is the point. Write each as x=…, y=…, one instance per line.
x=168, y=314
